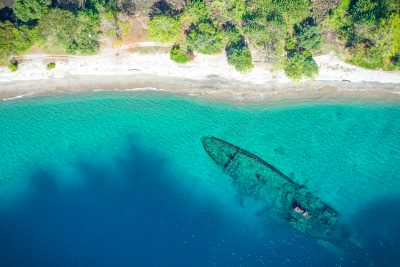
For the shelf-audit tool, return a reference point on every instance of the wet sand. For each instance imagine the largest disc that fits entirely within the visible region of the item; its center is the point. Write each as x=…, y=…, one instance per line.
x=216, y=88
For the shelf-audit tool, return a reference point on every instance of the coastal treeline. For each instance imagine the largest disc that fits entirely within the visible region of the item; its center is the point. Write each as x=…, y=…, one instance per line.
x=286, y=34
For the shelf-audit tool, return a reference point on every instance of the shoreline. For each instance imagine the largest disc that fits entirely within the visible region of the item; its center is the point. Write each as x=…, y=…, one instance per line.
x=142, y=66
x=214, y=88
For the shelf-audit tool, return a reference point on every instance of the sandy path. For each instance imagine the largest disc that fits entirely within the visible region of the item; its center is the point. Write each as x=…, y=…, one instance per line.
x=210, y=75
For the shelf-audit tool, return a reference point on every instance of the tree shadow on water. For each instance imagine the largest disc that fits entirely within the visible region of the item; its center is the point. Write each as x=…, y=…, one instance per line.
x=126, y=211
x=122, y=213
x=130, y=211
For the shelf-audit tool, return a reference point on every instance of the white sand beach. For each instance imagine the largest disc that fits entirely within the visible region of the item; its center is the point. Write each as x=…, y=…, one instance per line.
x=130, y=67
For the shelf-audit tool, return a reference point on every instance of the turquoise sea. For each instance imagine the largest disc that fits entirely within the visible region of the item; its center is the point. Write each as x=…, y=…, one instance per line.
x=121, y=179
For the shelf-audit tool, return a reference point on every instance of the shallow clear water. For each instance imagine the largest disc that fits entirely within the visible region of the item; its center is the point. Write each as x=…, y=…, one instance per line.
x=121, y=179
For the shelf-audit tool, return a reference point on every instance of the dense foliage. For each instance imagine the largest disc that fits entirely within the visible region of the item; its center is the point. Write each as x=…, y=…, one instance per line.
x=14, y=40
x=75, y=33
x=237, y=51
x=300, y=66
x=164, y=29
x=206, y=38
x=180, y=55
x=308, y=35
x=27, y=10
x=282, y=33
x=320, y=9
x=370, y=30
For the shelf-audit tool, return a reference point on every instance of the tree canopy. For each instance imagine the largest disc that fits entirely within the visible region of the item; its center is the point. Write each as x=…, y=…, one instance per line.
x=14, y=41
x=239, y=56
x=164, y=29
x=179, y=55
x=300, y=66
x=27, y=10
x=309, y=35
x=285, y=34
x=206, y=38
x=75, y=33
x=369, y=29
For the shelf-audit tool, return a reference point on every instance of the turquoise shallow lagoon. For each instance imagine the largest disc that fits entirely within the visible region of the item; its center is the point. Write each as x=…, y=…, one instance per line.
x=121, y=179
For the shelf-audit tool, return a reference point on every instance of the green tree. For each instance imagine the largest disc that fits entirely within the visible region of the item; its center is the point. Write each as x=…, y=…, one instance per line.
x=383, y=49
x=179, y=55
x=299, y=65
x=236, y=11
x=75, y=33
x=14, y=40
x=310, y=67
x=27, y=10
x=194, y=11
x=224, y=11
x=219, y=12
x=294, y=11
x=164, y=29
x=86, y=37
x=368, y=11
x=370, y=58
x=267, y=34
x=205, y=38
x=368, y=30
x=339, y=20
x=239, y=56
x=394, y=34
x=321, y=8
x=57, y=27
x=309, y=35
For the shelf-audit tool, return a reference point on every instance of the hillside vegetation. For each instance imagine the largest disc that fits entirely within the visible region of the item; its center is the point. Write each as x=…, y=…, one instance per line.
x=286, y=34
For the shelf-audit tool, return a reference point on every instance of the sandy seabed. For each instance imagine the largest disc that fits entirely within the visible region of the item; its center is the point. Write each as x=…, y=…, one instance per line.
x=205, y=76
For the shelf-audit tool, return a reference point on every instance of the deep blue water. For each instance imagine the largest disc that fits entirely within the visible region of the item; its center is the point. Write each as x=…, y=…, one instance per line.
x=126, y=213
x=132, y=206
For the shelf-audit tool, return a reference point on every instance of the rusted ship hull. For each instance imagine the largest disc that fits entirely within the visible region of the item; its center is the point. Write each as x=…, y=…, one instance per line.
x=257, y=178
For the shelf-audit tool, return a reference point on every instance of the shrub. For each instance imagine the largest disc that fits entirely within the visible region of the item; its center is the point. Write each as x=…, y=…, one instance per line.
x=179, y=55
x=299, y=65
x=164, y=29
x=51, y=66
x=13, y=65
x=239, y=55
x=205, y=38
